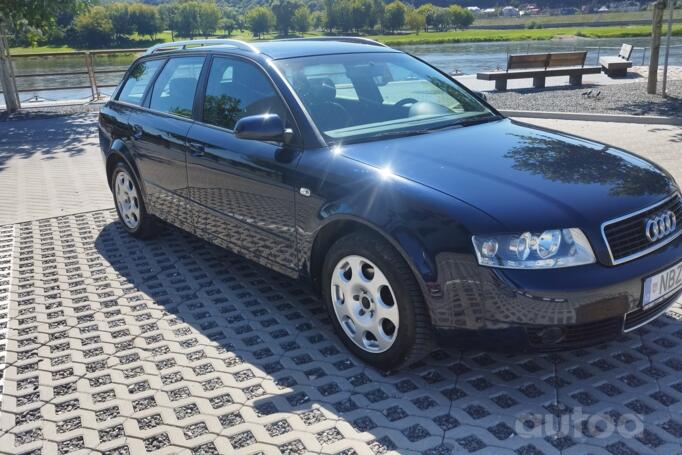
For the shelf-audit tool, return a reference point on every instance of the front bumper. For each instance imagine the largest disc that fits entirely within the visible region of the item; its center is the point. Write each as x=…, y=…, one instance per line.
x=544, y=309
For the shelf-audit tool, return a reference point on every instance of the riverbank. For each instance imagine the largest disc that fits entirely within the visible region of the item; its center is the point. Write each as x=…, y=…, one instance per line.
x=453, y=36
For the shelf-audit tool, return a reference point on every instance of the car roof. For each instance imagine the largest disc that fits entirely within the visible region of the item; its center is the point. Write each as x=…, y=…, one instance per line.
x=282, y=49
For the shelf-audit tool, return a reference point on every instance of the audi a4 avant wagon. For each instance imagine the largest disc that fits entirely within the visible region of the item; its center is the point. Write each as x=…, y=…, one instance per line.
x=418, y=211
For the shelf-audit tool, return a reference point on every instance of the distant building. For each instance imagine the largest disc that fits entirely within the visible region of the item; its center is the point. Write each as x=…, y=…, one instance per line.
x=510, y=11
x=489, y=12
x=474, y=9
x=530, y=10
x=625, y=6
x=603, y=9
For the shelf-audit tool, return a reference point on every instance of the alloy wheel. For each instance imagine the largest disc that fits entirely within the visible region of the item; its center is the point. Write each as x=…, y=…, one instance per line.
x=127, y=199
x=365, y=304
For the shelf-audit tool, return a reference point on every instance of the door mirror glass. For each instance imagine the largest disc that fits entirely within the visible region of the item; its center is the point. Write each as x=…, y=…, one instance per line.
x=265, y=127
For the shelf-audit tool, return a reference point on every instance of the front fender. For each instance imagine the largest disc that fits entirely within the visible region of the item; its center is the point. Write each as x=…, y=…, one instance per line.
x=430, y=229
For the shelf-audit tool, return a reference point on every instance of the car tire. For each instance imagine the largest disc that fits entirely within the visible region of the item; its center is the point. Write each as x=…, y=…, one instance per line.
x=130, y=205
x=379, y=293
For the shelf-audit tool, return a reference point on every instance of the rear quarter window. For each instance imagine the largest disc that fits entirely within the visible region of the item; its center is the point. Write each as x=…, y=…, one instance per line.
x=138, y=79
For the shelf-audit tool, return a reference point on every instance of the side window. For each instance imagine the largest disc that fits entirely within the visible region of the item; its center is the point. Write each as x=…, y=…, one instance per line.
x=175, y=87
x=134, y=87
x=237, y=89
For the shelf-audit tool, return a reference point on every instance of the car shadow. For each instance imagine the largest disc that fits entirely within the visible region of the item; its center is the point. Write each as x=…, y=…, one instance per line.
x=283, y=362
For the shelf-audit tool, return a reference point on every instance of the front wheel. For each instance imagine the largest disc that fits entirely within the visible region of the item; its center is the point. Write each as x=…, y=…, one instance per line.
x=375, y=302
x=130, y=205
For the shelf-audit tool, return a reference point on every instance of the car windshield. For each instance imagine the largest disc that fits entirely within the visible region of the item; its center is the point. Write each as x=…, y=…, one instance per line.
x=357, y=97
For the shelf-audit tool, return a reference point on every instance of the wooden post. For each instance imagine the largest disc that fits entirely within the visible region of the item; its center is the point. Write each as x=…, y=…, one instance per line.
x=664, y=89
x=91, y=76
x=656, y=31
x=9, y=87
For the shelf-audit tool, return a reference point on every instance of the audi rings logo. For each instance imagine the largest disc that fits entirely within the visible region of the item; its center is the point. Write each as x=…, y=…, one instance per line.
x=660, y=226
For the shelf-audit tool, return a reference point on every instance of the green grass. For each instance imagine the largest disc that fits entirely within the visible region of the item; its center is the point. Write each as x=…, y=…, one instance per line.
x=459, y=36
x=582, y=18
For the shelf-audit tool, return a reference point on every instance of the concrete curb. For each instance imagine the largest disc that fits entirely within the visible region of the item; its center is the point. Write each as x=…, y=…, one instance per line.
x=616, y=118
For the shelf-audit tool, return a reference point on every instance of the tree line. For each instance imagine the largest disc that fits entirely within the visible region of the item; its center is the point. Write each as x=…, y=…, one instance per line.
x=83, y=23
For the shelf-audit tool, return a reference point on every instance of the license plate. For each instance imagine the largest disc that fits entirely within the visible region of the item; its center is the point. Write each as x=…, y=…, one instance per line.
x=662, y=284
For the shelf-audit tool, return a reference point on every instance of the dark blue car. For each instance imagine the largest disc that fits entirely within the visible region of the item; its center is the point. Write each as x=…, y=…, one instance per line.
x=415, y=208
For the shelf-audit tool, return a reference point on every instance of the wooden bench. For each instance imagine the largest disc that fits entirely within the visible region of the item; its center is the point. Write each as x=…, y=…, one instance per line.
x=618, y=66
x=541, y=66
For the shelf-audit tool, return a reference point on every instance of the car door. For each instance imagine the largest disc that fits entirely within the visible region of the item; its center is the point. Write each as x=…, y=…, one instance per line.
x=242, y=189
x=159, y=134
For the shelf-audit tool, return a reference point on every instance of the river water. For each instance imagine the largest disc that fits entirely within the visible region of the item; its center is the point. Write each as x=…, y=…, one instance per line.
x=465, y=58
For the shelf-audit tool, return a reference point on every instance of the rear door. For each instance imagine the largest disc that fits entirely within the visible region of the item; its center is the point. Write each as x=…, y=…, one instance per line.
x=159, y=134
x=242, y=189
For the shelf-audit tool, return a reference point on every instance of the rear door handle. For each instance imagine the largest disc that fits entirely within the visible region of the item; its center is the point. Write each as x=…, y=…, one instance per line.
x=197, y=150
x=137, y=132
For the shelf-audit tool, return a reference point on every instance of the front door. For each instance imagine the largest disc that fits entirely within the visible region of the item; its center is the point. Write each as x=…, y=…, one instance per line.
x=242, y=190
x=159, y=135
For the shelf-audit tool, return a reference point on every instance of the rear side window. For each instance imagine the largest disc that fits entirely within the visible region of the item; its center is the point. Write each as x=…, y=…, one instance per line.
x=138, y=79
x=175, y=87
x=236, y=89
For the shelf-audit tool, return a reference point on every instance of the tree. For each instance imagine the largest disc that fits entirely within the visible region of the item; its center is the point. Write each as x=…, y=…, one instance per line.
x=301, y=20
x=284, y=12
x=94, y=28
x=343, y=15
x=329, y=15
x=145, y=19
x=168, y=13
x=415, y=21
x=187, y=19
x=208, y=16
x=43, y=15
x=119, y=14
x=428, y=11
x=460, y=17
x=317, y=20
x=394, y=15
x=229, y=21
x=359, y=10
x=442, y=17
x=260, y=20
x=376, y=13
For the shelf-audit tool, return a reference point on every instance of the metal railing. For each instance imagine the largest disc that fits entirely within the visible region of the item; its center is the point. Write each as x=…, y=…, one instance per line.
x=90, y=70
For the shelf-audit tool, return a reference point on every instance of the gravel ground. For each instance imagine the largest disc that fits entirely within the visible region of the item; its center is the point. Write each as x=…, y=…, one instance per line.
x=630, y=98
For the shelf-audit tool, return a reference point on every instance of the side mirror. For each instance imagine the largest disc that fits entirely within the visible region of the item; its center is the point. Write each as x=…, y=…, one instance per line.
x=265, y=127
x=481, y=96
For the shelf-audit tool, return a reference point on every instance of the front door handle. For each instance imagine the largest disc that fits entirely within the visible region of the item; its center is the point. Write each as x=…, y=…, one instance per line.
x=197, y=150
x=137, y=132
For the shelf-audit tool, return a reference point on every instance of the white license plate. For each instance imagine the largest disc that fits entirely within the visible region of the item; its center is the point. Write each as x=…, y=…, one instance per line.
x=662, y=284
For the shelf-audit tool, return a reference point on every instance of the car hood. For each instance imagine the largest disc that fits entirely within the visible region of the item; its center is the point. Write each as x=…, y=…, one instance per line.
x=525, y=177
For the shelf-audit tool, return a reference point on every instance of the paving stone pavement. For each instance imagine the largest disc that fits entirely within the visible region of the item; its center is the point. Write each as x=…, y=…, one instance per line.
x=50, y=167
x=118, y=346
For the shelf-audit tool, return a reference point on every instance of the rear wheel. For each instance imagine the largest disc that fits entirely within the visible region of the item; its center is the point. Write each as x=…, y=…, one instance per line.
x=130, y=205
x=375, y=302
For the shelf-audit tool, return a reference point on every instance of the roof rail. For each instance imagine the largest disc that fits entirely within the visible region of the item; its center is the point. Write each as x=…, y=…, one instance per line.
x=345, y=39
x=201, y=42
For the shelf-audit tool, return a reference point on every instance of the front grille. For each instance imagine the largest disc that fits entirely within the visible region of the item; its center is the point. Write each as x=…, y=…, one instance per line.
x=626, y=237
x=578, y=335
x=641, y=316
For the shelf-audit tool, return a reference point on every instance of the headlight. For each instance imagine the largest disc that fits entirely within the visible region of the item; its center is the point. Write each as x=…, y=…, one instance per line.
x=534, y=250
